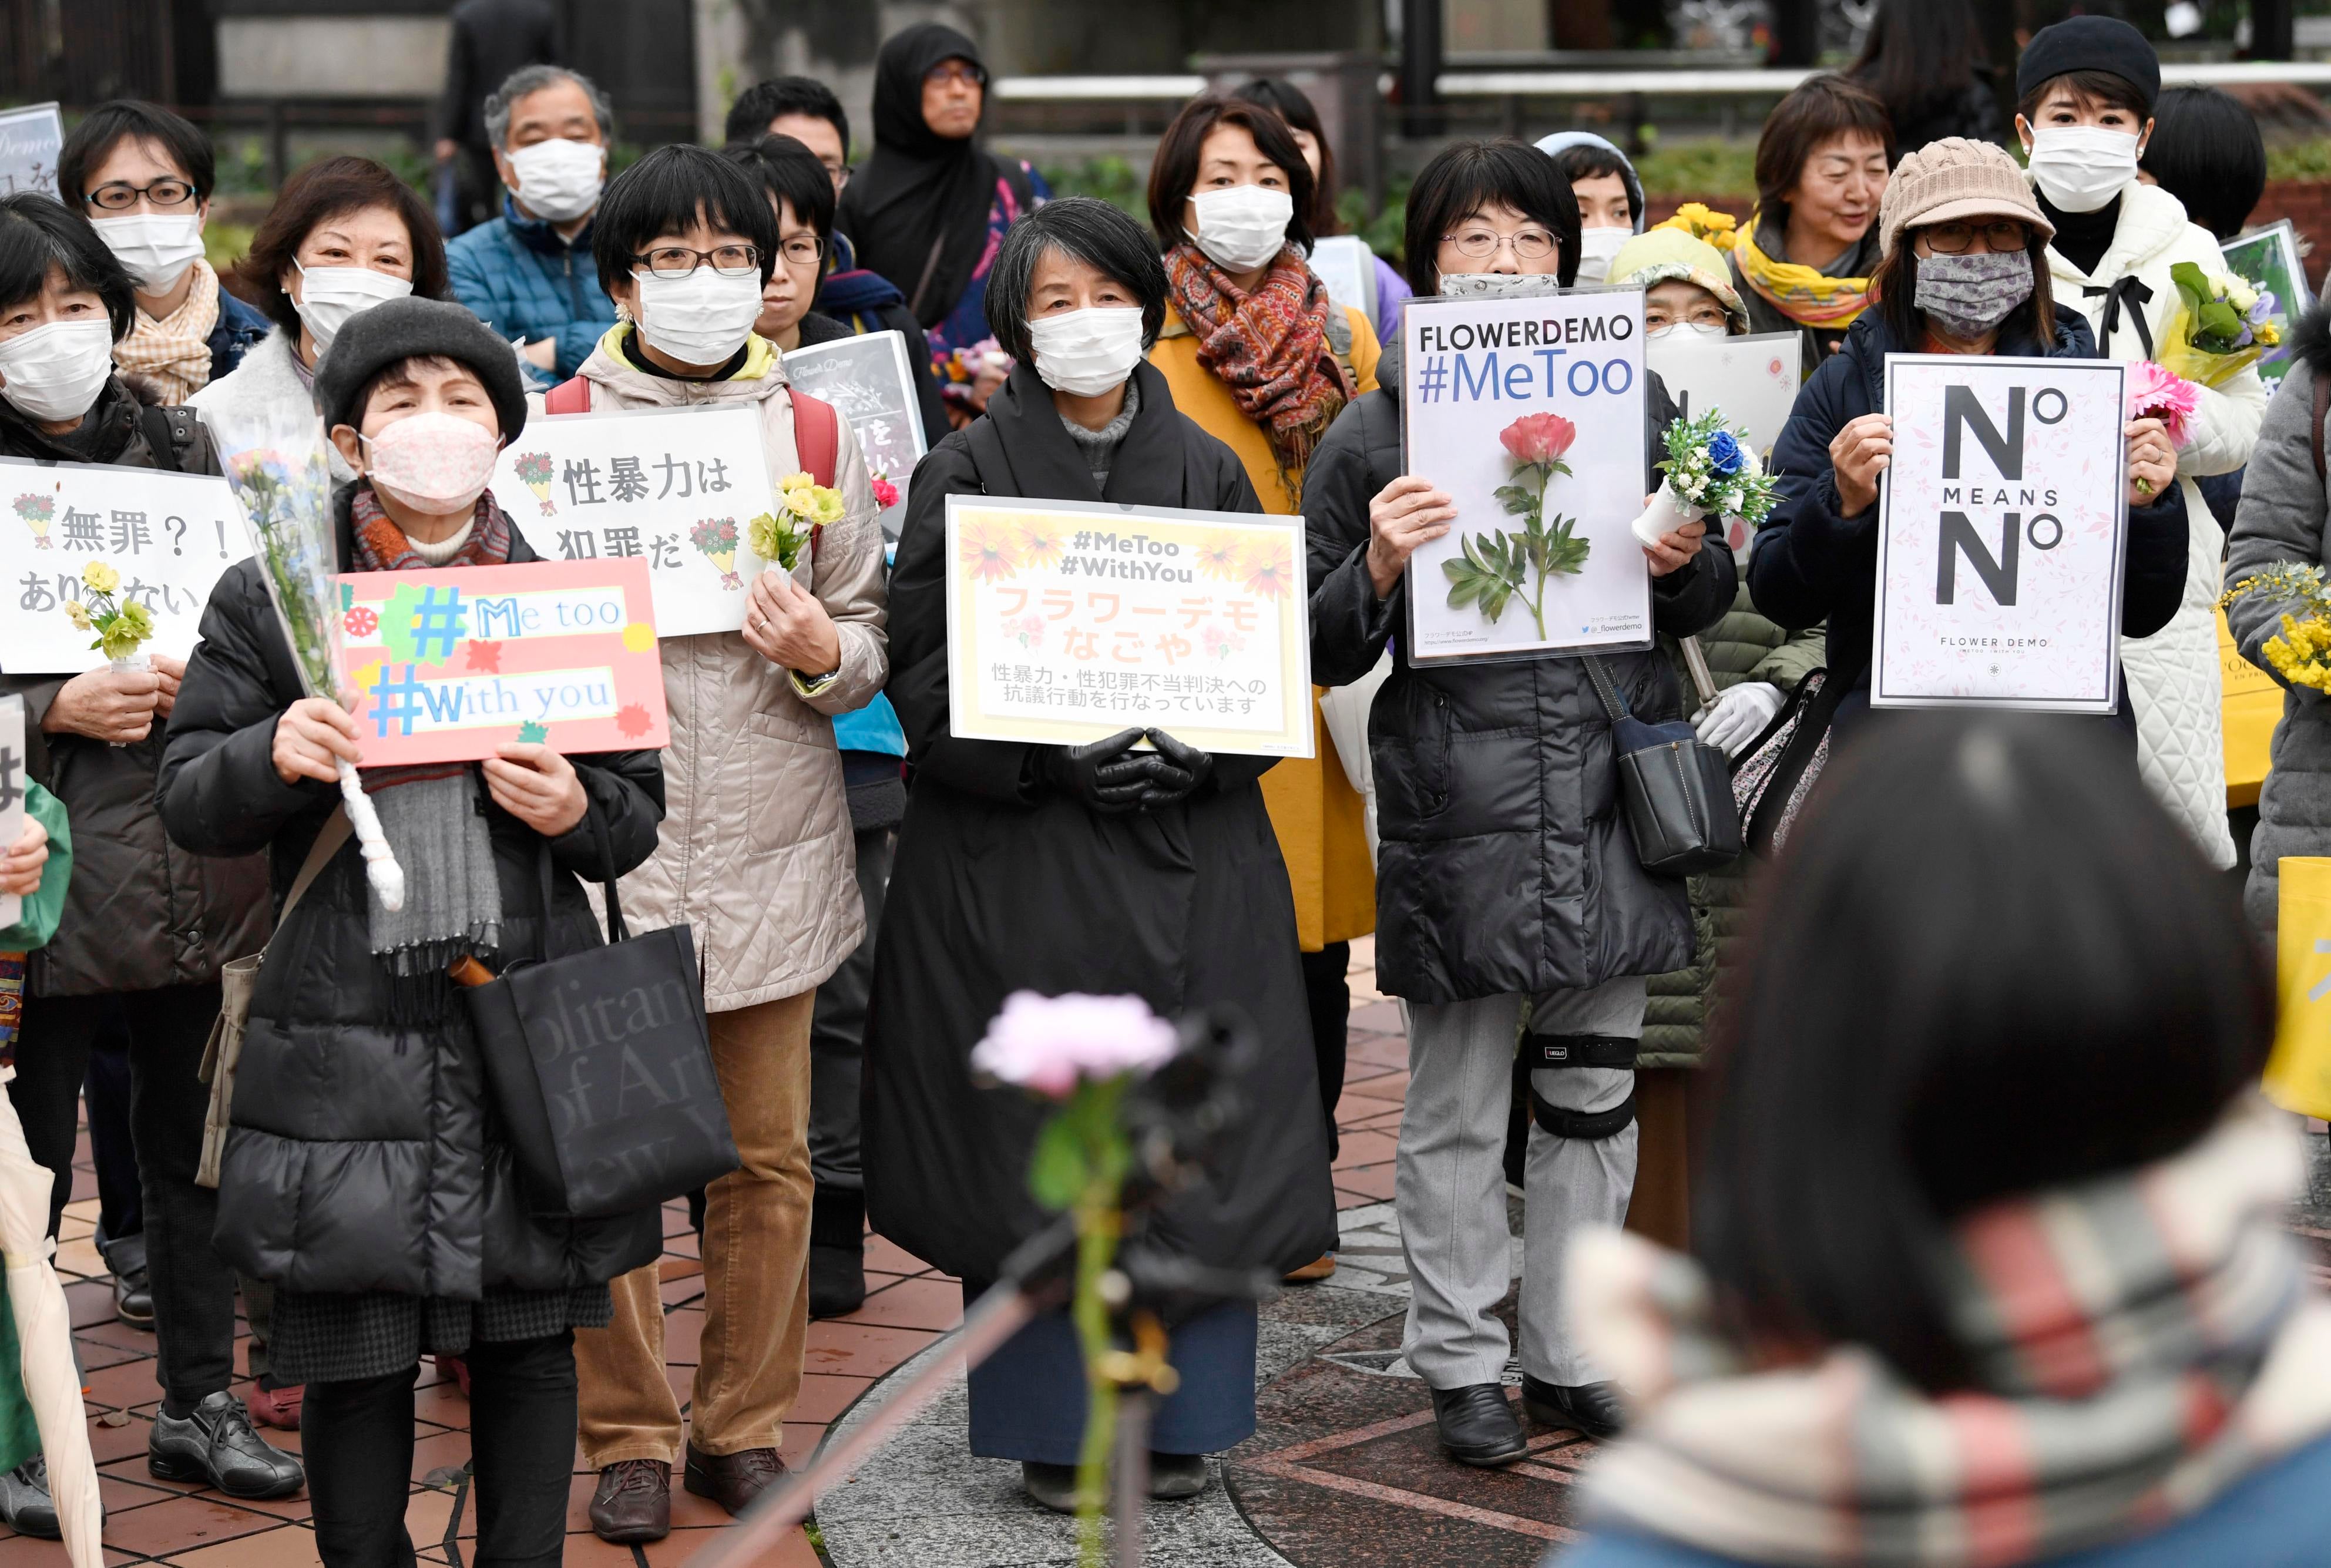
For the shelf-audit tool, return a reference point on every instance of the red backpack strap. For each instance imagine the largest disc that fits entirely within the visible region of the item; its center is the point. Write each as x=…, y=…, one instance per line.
x=817, y=436
x=572, y=395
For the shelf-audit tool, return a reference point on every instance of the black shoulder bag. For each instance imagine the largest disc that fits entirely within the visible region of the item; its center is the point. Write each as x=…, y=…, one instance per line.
x=1678, y=789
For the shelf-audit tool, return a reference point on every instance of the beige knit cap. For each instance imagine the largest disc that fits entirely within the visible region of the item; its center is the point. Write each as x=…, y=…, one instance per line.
x=1955, y=178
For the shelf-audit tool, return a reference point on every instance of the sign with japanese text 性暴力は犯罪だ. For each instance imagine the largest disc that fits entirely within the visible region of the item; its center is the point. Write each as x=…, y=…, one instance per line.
x=170, y=537
x=676, y=488
x=448, y=665
x=1069, y=622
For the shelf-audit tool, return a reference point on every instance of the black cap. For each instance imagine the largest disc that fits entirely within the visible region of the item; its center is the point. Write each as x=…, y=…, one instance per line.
x=372, y=340
x=2105, y=44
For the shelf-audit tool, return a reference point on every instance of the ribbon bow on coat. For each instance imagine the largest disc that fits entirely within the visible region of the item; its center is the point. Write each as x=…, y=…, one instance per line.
x=2129, y=290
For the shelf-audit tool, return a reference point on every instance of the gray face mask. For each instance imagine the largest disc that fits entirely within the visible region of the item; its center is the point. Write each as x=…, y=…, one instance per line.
x=1967, y=296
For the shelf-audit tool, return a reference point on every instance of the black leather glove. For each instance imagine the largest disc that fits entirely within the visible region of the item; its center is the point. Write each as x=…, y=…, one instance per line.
x=1109, y=776
x=1176, y=771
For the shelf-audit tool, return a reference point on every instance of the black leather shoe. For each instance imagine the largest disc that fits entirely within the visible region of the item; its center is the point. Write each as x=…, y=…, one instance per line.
x=133, y=1297
x=217, y=1446
x=1592, y=1408
x=1053, y=1486
x=1477, y=1427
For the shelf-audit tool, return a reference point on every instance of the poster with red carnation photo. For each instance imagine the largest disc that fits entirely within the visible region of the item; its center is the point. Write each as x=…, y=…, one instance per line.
x=1528, y=414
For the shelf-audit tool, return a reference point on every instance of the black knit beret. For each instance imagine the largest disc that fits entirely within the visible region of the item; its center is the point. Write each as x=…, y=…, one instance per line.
x=372, y=340
x=2105, y=44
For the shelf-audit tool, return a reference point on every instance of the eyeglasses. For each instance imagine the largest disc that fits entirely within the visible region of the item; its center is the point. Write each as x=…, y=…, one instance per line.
x=679, y=261
x=121, y=195
x=1953, y=238
x=1529, y=246
x=949, y=71
x=801, y=250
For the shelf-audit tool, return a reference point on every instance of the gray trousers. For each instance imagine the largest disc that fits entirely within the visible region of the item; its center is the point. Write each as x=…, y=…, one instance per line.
x=1449, y=1187
x=837, y=1033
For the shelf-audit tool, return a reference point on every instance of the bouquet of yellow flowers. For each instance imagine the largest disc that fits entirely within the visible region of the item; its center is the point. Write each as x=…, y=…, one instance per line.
x=1694, y=218
x=2301, y=655
x=2222, y=323
x=122, y=626
x=804, y=507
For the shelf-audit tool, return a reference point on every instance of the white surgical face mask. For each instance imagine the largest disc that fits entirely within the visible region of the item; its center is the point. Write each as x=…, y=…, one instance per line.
x=437, y=464
x=1684, y=331
x=156, y=247
x=1242, y=227
x=701, y=318
x=2081, y=167
x=1084, y=352
x=328, y=296
x=559, y=180
x=55, y=372
x=1596, y=248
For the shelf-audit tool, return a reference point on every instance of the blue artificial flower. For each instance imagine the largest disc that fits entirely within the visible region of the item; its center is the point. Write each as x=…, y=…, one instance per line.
x=1724, y=453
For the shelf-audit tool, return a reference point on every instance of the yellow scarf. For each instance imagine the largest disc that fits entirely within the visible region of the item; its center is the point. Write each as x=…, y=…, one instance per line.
x=175, y=353
x=1806, y=296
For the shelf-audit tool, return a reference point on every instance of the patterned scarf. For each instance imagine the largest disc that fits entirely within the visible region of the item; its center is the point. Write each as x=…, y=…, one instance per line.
x=2141, y=1342
x=434, y=815
x=1269, y=348
x=173, y=354
x=1805, y=295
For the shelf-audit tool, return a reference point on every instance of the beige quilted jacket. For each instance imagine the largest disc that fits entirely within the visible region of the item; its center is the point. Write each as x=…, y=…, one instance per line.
x=755, y=851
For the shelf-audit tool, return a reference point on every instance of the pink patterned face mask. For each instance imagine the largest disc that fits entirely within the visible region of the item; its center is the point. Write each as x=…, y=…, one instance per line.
x=437, y=464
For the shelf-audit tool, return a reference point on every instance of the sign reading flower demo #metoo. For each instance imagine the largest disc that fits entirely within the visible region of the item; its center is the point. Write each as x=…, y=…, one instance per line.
x=447, y=665
x=2001, y=535
x=1530, y=413
x=1069, y=622
x=676, y=488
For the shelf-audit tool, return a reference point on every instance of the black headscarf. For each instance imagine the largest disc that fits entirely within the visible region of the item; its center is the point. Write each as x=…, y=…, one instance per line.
x=918, y=211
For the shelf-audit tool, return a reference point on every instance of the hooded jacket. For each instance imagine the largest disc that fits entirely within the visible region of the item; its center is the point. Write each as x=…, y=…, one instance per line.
x=1562, y=141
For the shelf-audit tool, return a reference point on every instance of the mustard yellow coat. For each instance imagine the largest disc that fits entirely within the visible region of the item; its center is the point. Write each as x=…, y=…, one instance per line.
x=1313, y=807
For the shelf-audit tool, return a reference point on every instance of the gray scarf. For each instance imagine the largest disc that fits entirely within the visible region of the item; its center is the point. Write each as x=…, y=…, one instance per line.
x=435, y=819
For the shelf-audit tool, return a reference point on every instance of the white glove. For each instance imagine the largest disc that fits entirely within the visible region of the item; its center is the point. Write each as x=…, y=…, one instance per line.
x=1739, y=716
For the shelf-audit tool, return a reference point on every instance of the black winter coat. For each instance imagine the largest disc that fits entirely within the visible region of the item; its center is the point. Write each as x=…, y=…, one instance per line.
x=363, y=1157
x=1003, y=885
x=140, y=913
x=1504, y=866
x=1808, y=563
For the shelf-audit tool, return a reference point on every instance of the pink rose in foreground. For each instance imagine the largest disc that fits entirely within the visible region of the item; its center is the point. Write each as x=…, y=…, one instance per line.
x=1048, y=1043
x=2156, y=394
x=886, y=494
x=1539, y=438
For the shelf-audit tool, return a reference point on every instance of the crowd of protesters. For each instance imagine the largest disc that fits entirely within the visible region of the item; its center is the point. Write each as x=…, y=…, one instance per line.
x=1996, y=1011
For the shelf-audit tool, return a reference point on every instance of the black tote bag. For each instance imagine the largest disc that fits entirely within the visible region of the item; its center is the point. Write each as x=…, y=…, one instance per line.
x=601, y=1067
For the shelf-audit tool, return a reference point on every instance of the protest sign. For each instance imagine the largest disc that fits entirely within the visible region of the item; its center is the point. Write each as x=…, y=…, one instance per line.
x=872, y=382
x=1752, y=380
x=2268, y=257
x=1348, y=268
x=445, y=666
x=31, y=137
x=15, y=774
x=170, y=536
x=677, y=488
x=2249, y=707
x=2001, y=531
x=1071, y=621
x=1530, y=413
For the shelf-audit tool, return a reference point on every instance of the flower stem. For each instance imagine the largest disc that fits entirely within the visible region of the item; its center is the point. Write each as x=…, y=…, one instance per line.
x=1098, y=1224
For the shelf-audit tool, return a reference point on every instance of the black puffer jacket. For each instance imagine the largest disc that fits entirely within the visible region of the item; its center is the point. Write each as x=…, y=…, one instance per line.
x=190, y=915
x=1505, y=866
x=364, y=1158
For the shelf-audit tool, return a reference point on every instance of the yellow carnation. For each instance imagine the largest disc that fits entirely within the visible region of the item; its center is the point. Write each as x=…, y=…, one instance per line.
x=801, y=502
x=793, y=482
x=77, y=613
x=99, y=577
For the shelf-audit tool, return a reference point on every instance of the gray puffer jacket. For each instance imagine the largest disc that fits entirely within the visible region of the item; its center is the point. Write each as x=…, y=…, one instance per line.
x=2286, y=516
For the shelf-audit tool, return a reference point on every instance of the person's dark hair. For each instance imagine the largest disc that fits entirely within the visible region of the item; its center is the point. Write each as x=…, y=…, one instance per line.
x=2103, y=88
x=324, y=190
x=1988, y=964
x=666, y=193
x=1585, y=161
x=1291, y=104
x=757, y=105
x=92, y=141
x=532, y=79
x=1174, y=171
x=36, y=233
x=1818, y=109
x=1894, y=289
x=1093, y=232
x=1919, y=54
x=790, y=170
x=1468, y=176
x=2206, y=151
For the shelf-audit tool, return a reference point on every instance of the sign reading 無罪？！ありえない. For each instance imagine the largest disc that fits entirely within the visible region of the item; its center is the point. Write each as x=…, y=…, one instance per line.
x=447, y=665
x=675, y=488
x=1528, y=414
x=1069, y=622
x=2001, y=535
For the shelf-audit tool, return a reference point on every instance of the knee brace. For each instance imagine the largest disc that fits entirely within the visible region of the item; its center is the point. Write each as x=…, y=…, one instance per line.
x=1541, y=1052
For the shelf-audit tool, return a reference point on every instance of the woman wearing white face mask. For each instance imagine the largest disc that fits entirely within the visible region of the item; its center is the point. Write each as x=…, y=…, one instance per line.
x=1097, y=867
x=2085, y=90
x=143, y=176
x=756, y=848
x=1609, y=197
x=343, y=235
